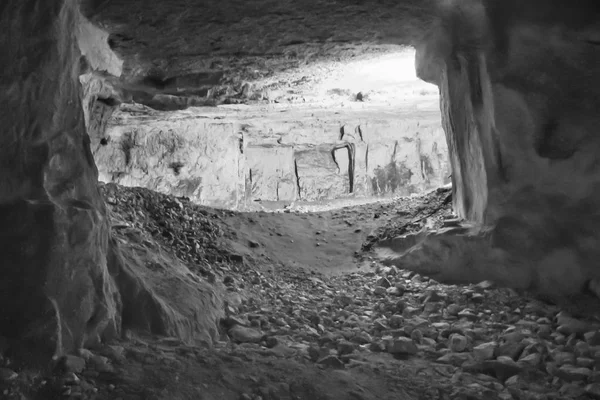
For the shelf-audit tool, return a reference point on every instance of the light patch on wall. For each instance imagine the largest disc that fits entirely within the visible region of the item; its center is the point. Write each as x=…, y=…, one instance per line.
x=388, y=78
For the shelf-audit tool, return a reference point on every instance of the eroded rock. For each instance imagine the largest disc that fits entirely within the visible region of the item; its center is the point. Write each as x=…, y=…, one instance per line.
x=64, y=282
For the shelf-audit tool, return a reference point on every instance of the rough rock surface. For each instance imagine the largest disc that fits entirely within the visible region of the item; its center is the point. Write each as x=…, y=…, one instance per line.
x=234, y=156
x=65, y=282
x=353, y=148
x=523, y=146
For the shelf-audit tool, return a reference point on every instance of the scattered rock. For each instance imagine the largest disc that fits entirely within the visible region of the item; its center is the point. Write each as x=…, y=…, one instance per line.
x=244, y=334
x=402, y=346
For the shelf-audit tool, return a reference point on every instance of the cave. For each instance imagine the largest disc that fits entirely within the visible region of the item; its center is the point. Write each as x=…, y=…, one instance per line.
x=299, y=200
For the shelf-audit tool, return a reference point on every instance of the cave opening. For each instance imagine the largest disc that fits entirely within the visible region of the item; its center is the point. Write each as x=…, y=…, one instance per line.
x=287, y=128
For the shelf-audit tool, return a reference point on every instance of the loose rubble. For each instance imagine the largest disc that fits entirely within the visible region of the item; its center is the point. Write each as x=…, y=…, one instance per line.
x=377, y=333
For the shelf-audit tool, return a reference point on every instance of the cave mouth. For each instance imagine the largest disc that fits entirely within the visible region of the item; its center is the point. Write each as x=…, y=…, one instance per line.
x=331, y=133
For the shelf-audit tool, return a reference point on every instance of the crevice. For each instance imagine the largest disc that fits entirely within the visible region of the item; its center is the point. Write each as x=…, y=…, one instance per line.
x=297, y=178
x=342, y=133
x=176, y=167
x=422, y=161
x=109, y=101
x=360, y=133
x=502, y=173
x=367, y=158
x=115, y=176
x=334, y=159
x=475, y=89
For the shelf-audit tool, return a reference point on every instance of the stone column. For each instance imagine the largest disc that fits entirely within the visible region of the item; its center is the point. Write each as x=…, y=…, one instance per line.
x=55, y=291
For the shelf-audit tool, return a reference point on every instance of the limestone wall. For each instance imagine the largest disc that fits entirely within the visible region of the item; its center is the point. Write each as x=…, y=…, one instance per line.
x=234, y=156
x=65, y=281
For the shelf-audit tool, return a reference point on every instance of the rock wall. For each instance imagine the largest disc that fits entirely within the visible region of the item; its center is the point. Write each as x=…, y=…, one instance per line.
x=64, y=282
x=520, y=97
x=183, y=157
x=234, y=156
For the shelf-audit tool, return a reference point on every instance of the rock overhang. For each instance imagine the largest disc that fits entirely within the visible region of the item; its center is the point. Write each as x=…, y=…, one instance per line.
x=215, y=49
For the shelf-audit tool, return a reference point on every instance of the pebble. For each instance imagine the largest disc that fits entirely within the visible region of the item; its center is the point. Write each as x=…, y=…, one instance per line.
x=344, y=347
x=593, y=389
x=402, y=346
x=592, y=338
x=571, y=373
x=503, y=367
x=456, y=359
x=244, y=334
x=73, y=363
x=457, y=343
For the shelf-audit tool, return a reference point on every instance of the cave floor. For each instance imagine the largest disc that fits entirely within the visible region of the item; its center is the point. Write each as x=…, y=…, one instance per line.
x=311, y=316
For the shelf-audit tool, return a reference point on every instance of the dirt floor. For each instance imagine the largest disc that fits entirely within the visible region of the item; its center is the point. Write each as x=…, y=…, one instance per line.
x=310, y=315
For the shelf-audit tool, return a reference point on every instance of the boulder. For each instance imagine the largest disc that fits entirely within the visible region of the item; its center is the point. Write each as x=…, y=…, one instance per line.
x=176, y=153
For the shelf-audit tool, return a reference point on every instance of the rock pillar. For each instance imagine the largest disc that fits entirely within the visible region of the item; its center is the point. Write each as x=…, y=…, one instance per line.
x=55, y=289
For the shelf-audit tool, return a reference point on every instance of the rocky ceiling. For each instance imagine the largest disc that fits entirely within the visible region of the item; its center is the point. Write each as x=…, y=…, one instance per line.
x=212, y=49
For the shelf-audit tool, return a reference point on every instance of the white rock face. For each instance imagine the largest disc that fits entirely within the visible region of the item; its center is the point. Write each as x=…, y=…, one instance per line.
x=93, y=44
x=235, y=156
x=192, y=157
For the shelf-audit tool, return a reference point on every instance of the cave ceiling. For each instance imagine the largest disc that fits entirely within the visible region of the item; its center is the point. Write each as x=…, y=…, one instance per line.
x=222, y=45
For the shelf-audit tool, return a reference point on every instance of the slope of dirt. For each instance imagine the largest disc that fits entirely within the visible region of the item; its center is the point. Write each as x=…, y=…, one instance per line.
x=250, y=40
x=324, y=322
x=329, y=241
